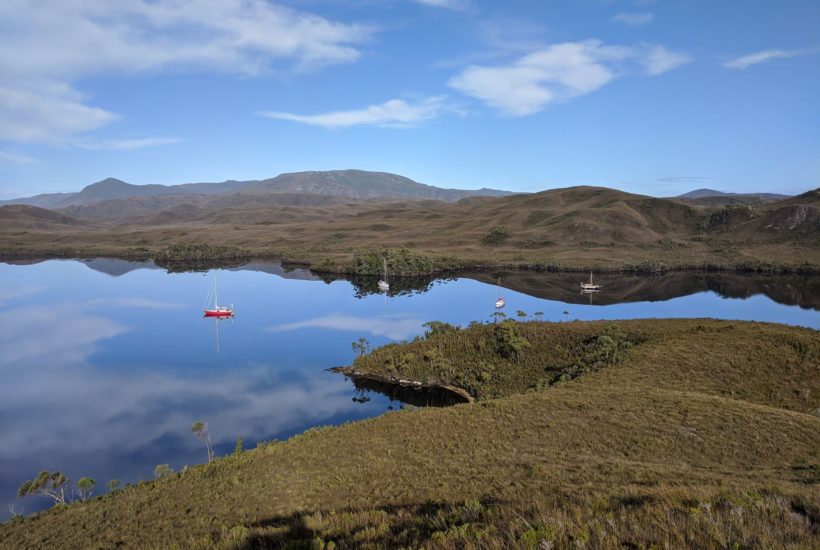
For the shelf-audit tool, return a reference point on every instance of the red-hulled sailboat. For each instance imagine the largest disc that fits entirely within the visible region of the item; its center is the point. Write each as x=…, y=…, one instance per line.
x=217, y=310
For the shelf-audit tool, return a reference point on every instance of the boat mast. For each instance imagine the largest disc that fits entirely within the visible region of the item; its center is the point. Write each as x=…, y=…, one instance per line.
x=216, y=298
x=385, y=269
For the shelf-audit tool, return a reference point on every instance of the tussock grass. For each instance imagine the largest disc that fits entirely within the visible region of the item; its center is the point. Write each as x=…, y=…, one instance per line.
x=704, y=434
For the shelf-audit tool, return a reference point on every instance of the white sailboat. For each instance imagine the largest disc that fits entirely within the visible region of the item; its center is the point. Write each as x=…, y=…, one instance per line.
x=216, y=310
x=591, y=286
x=499, y=303
x=384, y=286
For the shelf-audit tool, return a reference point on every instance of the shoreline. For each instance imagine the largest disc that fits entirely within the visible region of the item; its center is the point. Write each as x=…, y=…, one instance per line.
x=320, y=265
x=413, y=392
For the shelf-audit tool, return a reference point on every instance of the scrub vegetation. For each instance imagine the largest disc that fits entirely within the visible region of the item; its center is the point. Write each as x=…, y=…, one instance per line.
x=664, y=433
x=576, y=228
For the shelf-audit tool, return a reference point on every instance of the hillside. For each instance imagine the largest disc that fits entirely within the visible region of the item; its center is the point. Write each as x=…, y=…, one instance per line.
x=572, y=228
x=696, y=433
x=710, y=197
x=353, y=184
x=15, y=217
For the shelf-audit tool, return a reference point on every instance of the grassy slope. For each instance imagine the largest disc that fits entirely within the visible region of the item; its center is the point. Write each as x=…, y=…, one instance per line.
x=571, y=228
x=702, y=435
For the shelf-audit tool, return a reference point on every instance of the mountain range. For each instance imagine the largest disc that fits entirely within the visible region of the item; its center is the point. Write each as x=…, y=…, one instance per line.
x=350, y=184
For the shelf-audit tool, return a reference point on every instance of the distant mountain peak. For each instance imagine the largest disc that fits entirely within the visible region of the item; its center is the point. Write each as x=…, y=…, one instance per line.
x=107, y=183
x=704, y=192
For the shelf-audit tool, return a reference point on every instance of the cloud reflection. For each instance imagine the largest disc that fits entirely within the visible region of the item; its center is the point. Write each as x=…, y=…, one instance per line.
x=395, y=327
x=139, y=303
x=7, y=294
x=52, y=334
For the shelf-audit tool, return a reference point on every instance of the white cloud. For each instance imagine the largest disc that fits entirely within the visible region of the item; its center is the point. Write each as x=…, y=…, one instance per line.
x=658, y=60
x=745, y=61
x=54, y=43
x=396, y=113
x=46, y=116
x=446, y=4
x=557, y=72
x=127, y=144
x=634, y=19
x=15, y=158
x=393, y=327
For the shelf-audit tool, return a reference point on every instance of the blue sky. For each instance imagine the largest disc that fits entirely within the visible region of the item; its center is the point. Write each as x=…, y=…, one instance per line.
x=655, y=97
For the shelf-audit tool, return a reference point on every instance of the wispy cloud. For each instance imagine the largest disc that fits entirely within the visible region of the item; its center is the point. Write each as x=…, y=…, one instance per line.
x=746, y=61
x=133, y=303
x=634, y=19
x=393, y=327
x=559, y=72
x=9, y=293
x=127, y=144
x=69, y=341
x=15, y=159
x=459, y=5
x=658, y=60
x=396, y=113
x=54, y=43
x=47, y=115
x=684, y=179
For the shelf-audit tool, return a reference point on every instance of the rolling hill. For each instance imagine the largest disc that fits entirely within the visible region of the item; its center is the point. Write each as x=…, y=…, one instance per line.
x=710, y=197
x=571, y=228
x=21, y=216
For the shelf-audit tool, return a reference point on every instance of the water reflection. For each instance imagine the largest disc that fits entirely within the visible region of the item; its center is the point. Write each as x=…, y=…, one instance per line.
x=394, y=327
x=106, y=363
x=801, y=290
x=787, y=289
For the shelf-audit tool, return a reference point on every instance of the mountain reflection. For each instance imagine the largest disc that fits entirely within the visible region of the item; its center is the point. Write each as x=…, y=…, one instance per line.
x=787, y=289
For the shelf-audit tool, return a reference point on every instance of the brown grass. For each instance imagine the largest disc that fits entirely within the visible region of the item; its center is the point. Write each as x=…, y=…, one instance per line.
x=567, y=228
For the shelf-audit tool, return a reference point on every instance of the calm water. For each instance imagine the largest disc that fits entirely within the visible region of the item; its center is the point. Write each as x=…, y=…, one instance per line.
x=105, y=364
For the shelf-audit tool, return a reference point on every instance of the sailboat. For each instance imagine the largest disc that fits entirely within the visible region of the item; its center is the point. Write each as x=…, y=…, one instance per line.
x=384, y=286
x=217, y=310
x=499, y=303
x=591, y=286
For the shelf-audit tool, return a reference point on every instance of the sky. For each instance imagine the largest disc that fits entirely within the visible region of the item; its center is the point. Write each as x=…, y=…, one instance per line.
x=650, y=96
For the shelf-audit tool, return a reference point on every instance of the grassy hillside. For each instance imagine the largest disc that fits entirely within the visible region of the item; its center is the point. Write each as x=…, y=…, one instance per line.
x=574, y=228
x=700, y=434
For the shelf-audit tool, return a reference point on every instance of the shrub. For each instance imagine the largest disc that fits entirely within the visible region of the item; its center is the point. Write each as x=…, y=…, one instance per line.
x=496, y=236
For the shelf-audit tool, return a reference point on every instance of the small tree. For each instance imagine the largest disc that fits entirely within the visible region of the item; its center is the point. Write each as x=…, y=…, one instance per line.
x=521, y=315
x=162, y=470
x=607, y=348
x=240, y=445
x=47, y=484
x=113, y=485
x=438, y=327
x=361, y=346
x=85, y=487
x=539, y=315
x=508, y=342
x=499, y=316
x=200, y=430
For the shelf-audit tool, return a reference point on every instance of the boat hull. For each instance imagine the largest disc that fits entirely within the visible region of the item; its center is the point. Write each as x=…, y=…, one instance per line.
x=218, y=313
